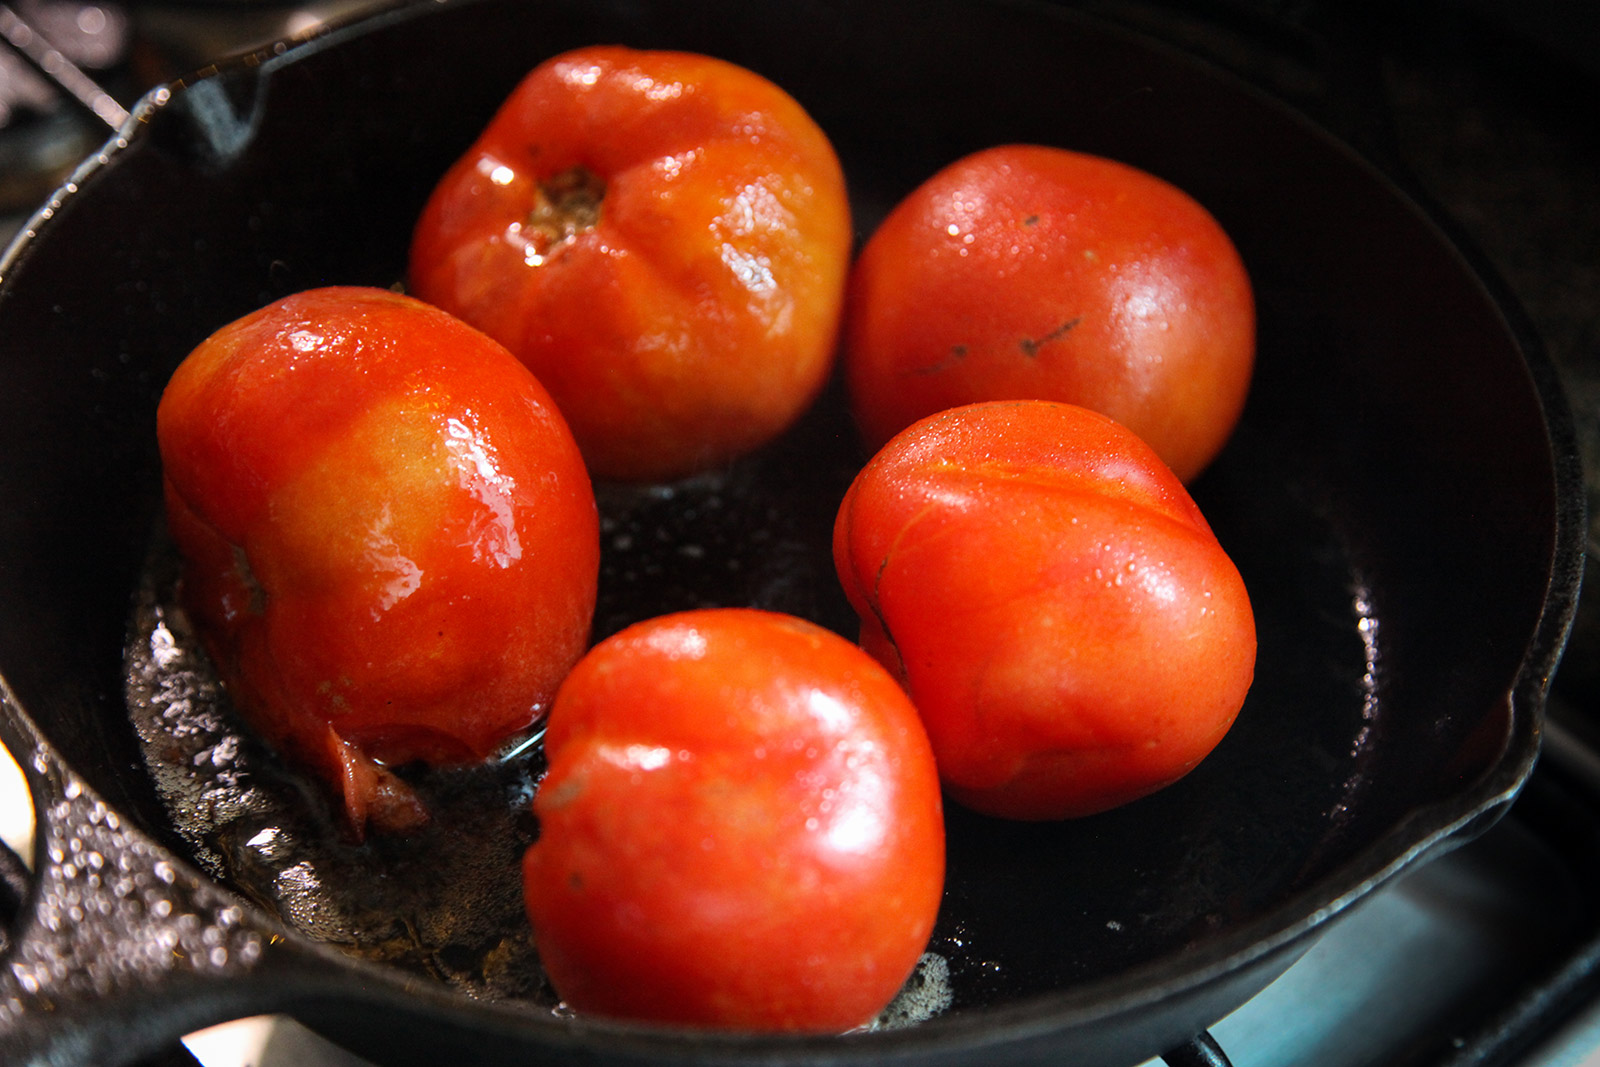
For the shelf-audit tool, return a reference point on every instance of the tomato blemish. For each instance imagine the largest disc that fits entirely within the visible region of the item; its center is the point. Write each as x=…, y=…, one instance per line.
x=1030, y=346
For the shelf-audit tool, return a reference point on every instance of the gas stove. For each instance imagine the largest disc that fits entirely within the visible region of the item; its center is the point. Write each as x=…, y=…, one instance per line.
x=1489, y=955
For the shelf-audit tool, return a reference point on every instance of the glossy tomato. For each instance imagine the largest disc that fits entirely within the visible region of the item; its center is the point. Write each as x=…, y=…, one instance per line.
x=663, y=238
x=740, y=828
x=390, y=543
x=1031, y=272
x=1065, y=620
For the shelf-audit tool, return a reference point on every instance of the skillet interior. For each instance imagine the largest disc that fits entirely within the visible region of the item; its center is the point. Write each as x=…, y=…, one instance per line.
x=1391, y=497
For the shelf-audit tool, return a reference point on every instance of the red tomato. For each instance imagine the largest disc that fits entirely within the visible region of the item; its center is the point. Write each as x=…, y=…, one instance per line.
x=1024, y=272
x=663, y=238
x=391, y=547
x=740, y=828
x=1064, y=618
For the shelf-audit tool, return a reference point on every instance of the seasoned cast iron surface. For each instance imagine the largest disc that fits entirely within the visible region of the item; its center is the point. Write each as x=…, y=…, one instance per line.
x=1031, y=908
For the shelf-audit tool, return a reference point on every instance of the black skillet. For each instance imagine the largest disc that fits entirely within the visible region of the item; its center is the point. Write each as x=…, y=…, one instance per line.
x=1402, y=497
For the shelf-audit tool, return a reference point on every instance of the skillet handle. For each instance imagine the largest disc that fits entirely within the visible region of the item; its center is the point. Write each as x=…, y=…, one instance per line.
x=119, y=948
x=1202, y=1051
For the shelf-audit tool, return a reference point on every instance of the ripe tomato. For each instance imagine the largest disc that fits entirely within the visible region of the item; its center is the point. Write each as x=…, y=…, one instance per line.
x=740, y=828
x=1066, y=622
x=1031, y=272
x=391, y=547
x=663, y=238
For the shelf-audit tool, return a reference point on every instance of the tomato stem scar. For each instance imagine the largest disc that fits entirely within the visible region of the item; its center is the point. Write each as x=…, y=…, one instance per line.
x=567, y=204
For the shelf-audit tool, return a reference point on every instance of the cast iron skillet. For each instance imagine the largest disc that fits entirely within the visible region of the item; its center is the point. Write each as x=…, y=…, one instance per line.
x=1402, y=498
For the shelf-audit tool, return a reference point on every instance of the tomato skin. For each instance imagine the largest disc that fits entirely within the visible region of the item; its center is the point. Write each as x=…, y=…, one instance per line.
x=693, y=314
x=1061, y=613
x=741, y=828
x=1029, y=272
x=390, y=545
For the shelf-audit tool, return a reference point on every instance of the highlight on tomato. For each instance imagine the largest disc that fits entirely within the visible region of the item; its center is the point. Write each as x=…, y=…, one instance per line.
x=1034, y=272
x=1065, y=620
x=390, y=545
x=663, y=238
x=741, y=828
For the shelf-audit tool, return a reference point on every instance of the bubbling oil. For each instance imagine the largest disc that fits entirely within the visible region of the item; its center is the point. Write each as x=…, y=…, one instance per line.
x=446, y=901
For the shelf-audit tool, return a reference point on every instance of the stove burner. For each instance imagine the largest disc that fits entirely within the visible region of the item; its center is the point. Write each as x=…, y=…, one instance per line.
x=52, y=110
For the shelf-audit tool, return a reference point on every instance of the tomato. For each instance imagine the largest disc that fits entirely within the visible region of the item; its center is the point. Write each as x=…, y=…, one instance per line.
x=663, y=238
x=741, y=828
x=1062, y=615
x=390, y=544
x=1032, y=272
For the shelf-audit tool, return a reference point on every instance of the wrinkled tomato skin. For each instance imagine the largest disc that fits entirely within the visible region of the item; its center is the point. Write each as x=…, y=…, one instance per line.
x=741, y=828
x=390, y=543
x=1062, y=615
x=692, y=313
x=1030, y=272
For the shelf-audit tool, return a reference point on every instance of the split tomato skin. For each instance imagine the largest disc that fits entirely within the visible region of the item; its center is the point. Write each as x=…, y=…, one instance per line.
x=1033, y=272
x=390, y=544
x=741, y=828
x=663, y=238
x=1062, y=615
